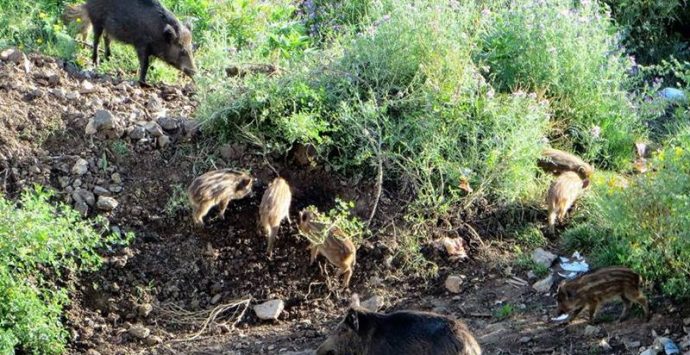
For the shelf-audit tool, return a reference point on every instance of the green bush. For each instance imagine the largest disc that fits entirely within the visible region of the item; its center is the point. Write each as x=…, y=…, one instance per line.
x=404, y=95
x=40, y=244
x=644, y=226
x=571, y=56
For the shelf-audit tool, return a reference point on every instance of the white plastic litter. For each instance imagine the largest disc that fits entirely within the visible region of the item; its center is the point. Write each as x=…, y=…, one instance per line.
x=673, y=94
x=575, y=265
x=560, y=318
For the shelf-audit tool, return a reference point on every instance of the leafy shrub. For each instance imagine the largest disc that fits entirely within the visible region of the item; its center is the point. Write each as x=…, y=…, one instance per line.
x=326, y=19
x=649, y=25
x=405, y=95
x=569, y=55
x=338, y=216
x=645, y=226
x=39, y=244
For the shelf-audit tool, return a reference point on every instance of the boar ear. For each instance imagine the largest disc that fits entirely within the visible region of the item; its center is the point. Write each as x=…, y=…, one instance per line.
x=352, y=319
x=243, y=184
x=169, y=33
x=585, y=183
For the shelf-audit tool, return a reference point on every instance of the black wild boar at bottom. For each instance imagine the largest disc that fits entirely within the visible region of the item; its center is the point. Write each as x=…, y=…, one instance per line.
x=404, y=332
x=148, y=26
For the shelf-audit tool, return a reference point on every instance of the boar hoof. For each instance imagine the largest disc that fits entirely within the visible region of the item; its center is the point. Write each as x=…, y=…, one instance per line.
x=145, y=85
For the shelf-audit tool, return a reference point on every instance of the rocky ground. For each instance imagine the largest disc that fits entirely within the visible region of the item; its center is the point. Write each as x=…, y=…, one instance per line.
x=111, y=148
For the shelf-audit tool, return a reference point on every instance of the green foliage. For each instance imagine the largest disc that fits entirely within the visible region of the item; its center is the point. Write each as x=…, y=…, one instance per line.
x=648, y=25
x=569, y=54
x=340, y=217
x=524, y=260
x=39, y=244
x=177, y=201
x=645, y=226
x=327, y=19
x=503, y=312
x=530, y=237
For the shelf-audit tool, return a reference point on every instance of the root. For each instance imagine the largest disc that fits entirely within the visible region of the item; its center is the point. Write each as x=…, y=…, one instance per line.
x=206, y=318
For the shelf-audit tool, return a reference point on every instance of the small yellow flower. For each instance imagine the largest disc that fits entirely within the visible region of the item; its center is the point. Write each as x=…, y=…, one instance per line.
x=678, y=151
x=39, y=41
x=42, y=15
x=78, y=19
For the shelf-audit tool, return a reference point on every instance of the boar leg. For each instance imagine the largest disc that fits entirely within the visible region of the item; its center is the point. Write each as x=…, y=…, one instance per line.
x=574, y=313
x=271, y=240
x=642, y=301
x=593, y=308
x=143, y=55
x=223, y=206
x=346, y=279
x=626, y=308
x=314, y=253
x=201, y=211
x=106, y=43
x=97, y=32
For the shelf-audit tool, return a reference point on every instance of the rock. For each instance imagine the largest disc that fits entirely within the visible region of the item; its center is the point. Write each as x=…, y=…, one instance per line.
x=604, y=345
x=686, y=321
x=86, y=195
x=373, y=304
x=106, y=203
x=525, y=340
x=72, y=95
x=591, y=330
x=531, y=275
x=116, y=177
x=92, y=352
x=13, y=55
x=144, y=309
x=64, y=181
x=543, y=257
x=139, y=331
x=153, y=340
x=81, y=207
x=168, y=124
x=191, y=128
x=650, y=351
x=269, y=310
x=137, y=133
x=453, y=283
x=80, y=167
x=104, y=120
x=101, y=191
x=153, y=128
x=163, y=141
x=87, y=87
x=216, y=298
x=544, y=285
x=231, y=152
x=631, y=345
x=154, y=104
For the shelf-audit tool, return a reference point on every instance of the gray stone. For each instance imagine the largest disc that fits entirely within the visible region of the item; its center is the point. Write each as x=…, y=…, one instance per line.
x=104, y=120
x=163, y=141
x=453, y=283
x=106, y=203
x=544, y=285
x=153, y=128
x=137, y=133
x=373, y=304
x=144, y=309
x=269, y=310
x=139, y=331
x=101, y=191
x=153, y=340
x=216, y=298
x=81, y=207
x=72, y=95
x=168, y=124
x=87, y=87
x=80, y=167
x=591, y=330
x=543, y=257
x=86, y=195
x=116, y=177
x=13, y=55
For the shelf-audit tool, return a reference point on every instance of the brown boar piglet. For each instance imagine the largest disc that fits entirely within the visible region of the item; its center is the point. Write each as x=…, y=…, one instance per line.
x=336, y=247
x=217, y=187
x=557, y=161
x=563, y=192
x=275, y=206
x=596, y=287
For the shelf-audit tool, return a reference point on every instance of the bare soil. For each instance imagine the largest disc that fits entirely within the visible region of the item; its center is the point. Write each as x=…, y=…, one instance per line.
x=175, y=274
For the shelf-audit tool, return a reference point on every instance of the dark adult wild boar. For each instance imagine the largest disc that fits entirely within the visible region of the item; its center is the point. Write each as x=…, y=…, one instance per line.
x=399, y=333
x=145, y=24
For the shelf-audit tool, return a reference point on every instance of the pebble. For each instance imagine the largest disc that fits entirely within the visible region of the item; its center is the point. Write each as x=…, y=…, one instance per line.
x=168, y=124
x=163, y=141
x=80, y=167
x=543, y=257
x=591, y=330
x=139, y=331
x=544, y=285
x=137, y=133
x=106, y=203
x=144, y=309
x=453, y=284
x=153, y=128
x=101, y=191
x=269, y=310
x=373, y=304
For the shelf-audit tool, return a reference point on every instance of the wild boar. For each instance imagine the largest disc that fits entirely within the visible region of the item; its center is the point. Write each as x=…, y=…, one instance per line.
x=404, y=332
x=336, y=247
x=275, y=206
x=145, y=24
x=593, y=288
x=562, y=194
x=557, y=161
x=217, y=187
